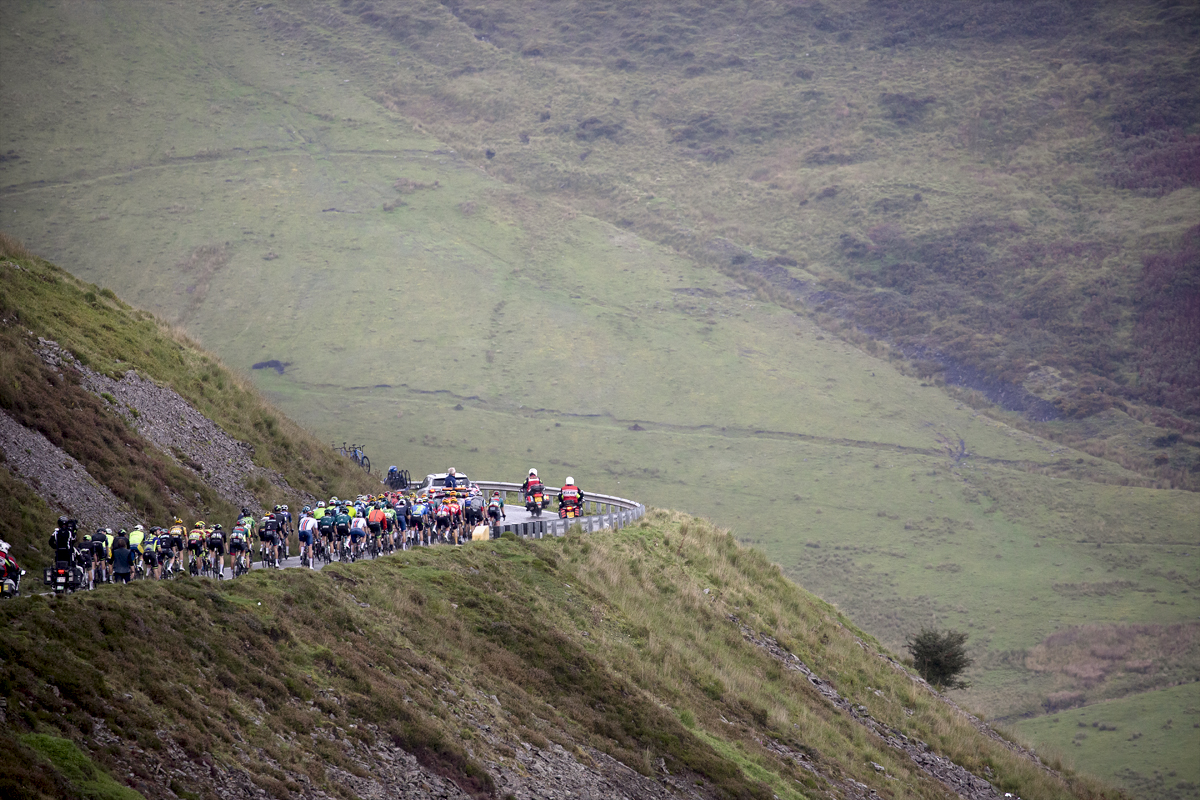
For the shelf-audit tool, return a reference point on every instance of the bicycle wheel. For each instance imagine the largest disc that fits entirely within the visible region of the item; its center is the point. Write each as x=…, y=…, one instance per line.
x=366, y=464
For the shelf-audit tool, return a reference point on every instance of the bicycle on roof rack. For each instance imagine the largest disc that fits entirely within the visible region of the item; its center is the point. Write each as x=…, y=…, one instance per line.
x=356, y=453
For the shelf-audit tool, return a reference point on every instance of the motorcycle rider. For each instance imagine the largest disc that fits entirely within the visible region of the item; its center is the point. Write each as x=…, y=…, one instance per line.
x=62, y=540
x=570, y=494
x=531, y=481
x=10, y=572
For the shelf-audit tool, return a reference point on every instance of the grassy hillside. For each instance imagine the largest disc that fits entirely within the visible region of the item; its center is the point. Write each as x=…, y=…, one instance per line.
x=41, y=301
x=695, y=270
x=629, y=644
x=1101, y=738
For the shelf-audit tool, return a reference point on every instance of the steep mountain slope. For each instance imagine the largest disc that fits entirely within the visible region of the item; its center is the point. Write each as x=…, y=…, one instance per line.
x=611, y=292
x=660, y=661
x=111, y=417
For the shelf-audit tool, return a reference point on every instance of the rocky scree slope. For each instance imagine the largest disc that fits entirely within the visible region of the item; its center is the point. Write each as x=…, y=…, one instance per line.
x=110, y=417
x=663, y=660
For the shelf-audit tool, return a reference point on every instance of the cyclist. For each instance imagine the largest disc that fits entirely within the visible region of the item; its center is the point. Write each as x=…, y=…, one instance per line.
x=86, y=557
x=327, y=529
x=473, y=510
x=197, y=537
x=377, y=522
x=455, y=512
x=268, y=537
x=308, y=531
x=110, y=541
x=137, y=538
x=150, y=552
x=396, y=523
x=570, y=494
x=239, y=546
x=358, y=532
x=99, y=545
x=175, y=539
x=320, y=509
x=285, y=530
x=216, y=550
x=418, y=515
x=495, y=509
x=341, y=527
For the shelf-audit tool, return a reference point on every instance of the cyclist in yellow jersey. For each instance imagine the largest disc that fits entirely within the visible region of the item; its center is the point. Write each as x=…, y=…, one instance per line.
x=197, y=537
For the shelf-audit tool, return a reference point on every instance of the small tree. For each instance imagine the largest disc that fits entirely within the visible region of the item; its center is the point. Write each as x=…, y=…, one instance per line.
x=940, y=657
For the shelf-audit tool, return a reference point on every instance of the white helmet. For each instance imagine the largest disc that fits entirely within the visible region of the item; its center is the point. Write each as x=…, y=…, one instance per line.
x=570, y=479
x=320, y=504
x=4, y=546
x=138, y=527
x=533, y=472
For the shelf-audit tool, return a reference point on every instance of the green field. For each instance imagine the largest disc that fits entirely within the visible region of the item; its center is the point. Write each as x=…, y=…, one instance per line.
x=299, y=186
x=1145, y=743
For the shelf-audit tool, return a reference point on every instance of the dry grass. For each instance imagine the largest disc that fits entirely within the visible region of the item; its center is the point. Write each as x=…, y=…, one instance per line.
x=11, y=247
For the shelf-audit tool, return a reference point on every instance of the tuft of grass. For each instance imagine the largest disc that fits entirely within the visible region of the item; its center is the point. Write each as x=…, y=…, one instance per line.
x=79, y=771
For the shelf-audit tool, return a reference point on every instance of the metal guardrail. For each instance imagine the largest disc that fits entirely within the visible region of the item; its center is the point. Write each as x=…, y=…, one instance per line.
x=607, y=511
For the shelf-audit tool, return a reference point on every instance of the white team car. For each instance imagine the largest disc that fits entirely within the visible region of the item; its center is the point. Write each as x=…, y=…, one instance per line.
x=434, y=485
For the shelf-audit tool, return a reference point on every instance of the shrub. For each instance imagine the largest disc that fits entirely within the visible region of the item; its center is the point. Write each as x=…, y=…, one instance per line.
x=940, y=657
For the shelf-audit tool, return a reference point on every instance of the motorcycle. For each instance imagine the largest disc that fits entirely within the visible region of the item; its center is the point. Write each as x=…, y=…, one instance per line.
x=535, y=501
x=11, y=585
x=63, y=577
x=570, y=511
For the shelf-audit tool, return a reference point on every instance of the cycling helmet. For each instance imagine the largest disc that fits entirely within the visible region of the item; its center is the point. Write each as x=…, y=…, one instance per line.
x=62, y=522
x=108, y=531
x=138, y=527
x=496, y=493
x=277, y=508
x=178, y=521
x=533, y=472
x=570, y=479
x=245, y=512
x=333, y=501
x=306, y=510
x=320, y=504
x=199, y=524
x=217, y=526
x=285, y=508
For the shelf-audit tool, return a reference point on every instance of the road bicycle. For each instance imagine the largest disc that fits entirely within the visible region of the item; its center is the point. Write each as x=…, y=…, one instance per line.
x=357, y=454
